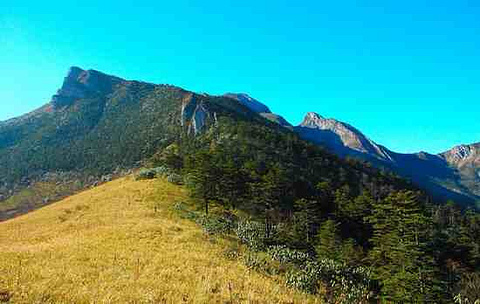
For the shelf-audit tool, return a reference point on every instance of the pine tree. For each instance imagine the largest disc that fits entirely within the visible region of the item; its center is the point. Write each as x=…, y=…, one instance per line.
x=399, y=248
x=328, y=241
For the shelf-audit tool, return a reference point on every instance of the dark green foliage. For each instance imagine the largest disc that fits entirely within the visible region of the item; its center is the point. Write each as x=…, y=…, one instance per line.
x=175, y=178
x=259, y=261
x=339, y=283
x=328, y=241
x=286, y=255
x=252, y=234
x=146, y=174
x=216, y=225
x=399, y=253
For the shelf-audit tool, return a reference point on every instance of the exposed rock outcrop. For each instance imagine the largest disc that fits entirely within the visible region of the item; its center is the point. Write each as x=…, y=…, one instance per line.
x=80, y=84
x=195, y=115
x=339, y=136
x=249, y=102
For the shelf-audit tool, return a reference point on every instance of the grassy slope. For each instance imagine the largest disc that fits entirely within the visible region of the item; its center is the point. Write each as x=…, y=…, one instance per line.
x=108, y=245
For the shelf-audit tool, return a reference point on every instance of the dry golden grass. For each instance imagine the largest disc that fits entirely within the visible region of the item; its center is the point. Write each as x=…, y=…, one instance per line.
x=108, y=245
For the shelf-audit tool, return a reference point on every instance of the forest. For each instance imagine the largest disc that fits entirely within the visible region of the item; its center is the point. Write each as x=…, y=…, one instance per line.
x=337, y=228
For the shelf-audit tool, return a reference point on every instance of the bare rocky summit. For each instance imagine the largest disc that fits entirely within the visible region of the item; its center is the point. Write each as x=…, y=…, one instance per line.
x=339, y=136
x=249, y=102
x=81, y=83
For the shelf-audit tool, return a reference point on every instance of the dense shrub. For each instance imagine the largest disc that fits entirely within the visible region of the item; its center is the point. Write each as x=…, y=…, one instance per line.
x=216, y=225
x=252, y=234
x=175, y=178
x=146, y=174
x=284, y=254
x=260, y=262
x=342, y=284
x=161, y=171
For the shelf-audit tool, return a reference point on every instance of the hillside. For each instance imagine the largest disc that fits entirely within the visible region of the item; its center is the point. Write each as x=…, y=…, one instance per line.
x=121, y=243
x=98, y=127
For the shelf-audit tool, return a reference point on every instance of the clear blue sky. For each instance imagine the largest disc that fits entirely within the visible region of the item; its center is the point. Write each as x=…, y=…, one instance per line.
x=406, y=73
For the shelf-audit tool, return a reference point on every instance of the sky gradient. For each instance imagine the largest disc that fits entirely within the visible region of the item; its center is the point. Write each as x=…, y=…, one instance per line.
x=406, y=73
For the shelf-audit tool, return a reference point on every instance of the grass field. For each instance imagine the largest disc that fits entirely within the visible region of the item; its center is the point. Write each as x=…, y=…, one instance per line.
x=121, y=243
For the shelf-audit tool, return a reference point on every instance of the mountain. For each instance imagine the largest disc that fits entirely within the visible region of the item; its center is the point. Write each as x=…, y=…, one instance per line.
x=251, y=103
x=283, y=205
x=340, y=137
x=259, y=108
x=454, y=174
x=96, y=127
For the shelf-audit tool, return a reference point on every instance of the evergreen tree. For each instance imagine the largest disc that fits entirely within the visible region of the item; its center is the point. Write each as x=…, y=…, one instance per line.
x=328, y=241
x=399, y=248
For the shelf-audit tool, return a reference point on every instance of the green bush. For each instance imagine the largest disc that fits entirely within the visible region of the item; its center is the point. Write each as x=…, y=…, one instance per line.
x=175, y=179
x=216, y=225
x=261, y=262
x=233, y=252
x=285, y=255
x=146, y=174
x=252, y=234
x=343, y=284
x=162, y=171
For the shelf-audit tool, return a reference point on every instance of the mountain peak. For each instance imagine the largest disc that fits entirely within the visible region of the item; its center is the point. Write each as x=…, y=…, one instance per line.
x=249, y=102
x=74, y=72
x=462, y=153
x=312, y=119
x=339, y=136
x=80, y=83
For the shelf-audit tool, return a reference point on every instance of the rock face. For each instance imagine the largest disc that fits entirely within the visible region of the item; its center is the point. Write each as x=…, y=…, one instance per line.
x=79, y=84
x=463, y=155
x=249, y=102
x=195, y=115
x=259, y=108
x=466, y=160
x=340, y=137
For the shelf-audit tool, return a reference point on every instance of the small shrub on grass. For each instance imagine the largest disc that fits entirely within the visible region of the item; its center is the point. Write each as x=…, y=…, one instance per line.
x=252, y=234
x=286, y=255
x=180, y=206
x=175, y=179
x=260, y=262
x=216, y=225
x=5, y=296
x=146, y=174
x=343, y=284
x=161, y=171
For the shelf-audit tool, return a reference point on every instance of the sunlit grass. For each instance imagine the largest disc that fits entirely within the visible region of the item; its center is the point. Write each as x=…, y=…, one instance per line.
x=121, y=243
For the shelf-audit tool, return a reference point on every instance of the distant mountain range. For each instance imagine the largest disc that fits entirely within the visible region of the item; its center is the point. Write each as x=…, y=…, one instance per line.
x=98, y=125
x=454, y=174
